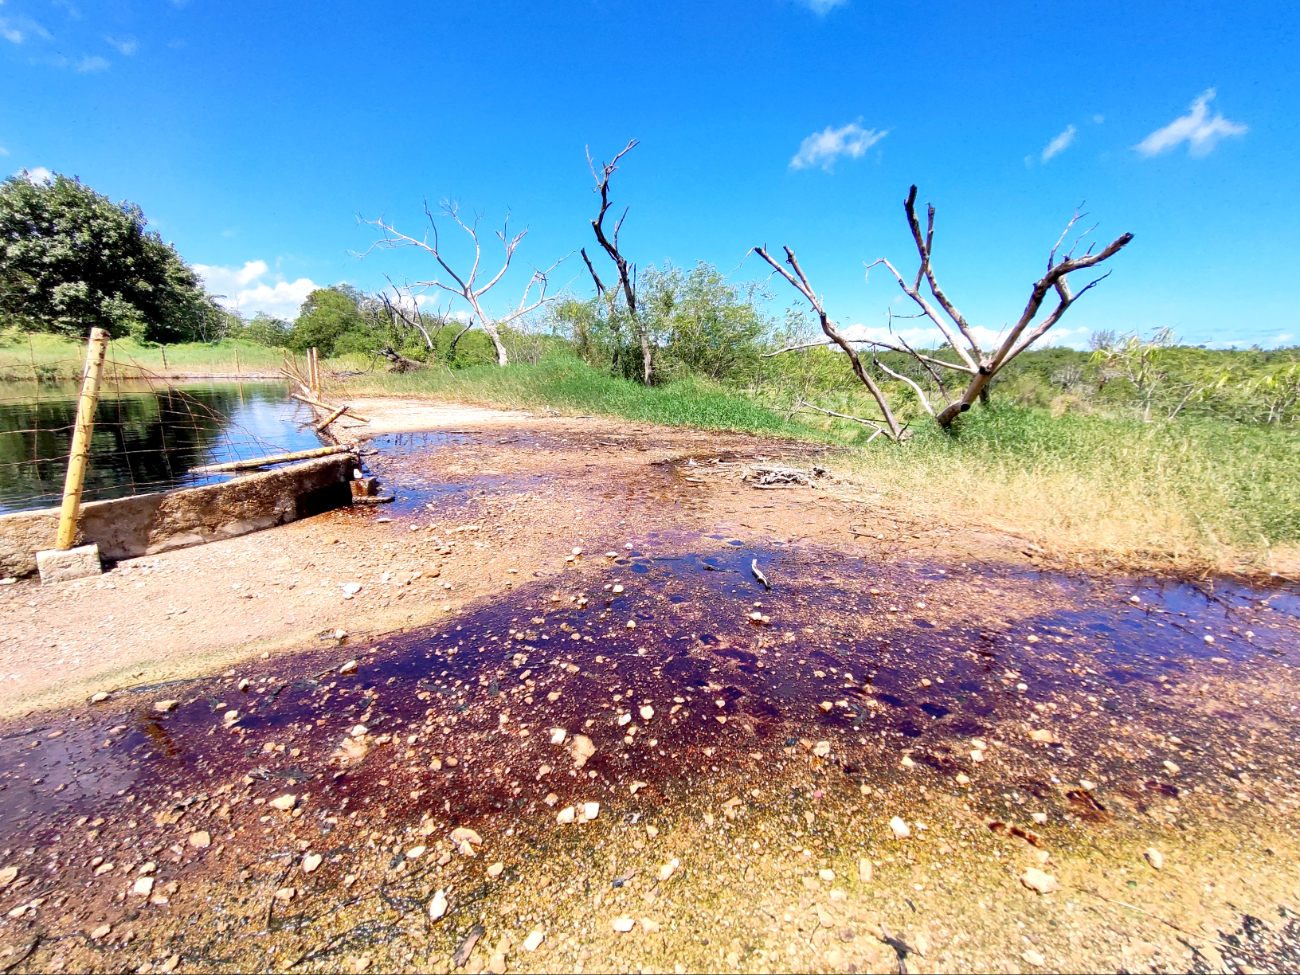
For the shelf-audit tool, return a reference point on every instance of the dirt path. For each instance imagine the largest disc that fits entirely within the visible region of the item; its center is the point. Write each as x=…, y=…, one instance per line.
x=915, y=750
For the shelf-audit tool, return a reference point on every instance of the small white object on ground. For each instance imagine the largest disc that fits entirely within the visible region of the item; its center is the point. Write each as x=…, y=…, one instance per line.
x=899, y=828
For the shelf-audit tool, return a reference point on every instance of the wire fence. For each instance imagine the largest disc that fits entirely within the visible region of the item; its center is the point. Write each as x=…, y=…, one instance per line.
x=150, y=433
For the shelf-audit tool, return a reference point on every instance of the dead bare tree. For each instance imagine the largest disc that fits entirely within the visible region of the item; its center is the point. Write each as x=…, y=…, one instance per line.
x=980, y=367
x=467, y=286
x=626, y=272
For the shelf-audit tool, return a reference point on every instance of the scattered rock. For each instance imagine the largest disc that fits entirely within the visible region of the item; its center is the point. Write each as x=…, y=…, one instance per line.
x=534, y=939
x=286, y=894
x=348, y=668
x=623, y=924
x=415, y=852
x=496, y=870
x=1043, y=735
x=99, y=697
x=1039, y=818
x=350, y=588
x=668, y=869
x=581, y=749
x=1035, y=879
x=827, y=706
x=963, y=778
x=590, y=810
x=647, y=712
x=822, y=749
x=864, y=870
x=899, y=828
x=7, y=876
x=101, y=932
x=201, y=840
x=566, y=815
x=1155, y=858
x=438, y=905
x=1170, y=767
x=649, y=926
x=143, y=887
x=1034, y=958
x=558, y=735
x=827, y=875
x=165, y=706
x=284, y=803
x=311, y=862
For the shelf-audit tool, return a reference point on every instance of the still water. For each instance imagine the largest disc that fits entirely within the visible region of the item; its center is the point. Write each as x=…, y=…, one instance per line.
x=145, y=438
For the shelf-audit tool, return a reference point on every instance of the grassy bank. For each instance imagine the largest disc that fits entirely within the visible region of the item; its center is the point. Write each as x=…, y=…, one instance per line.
x=1195, y=495
x=568, y=385
x=25, y=356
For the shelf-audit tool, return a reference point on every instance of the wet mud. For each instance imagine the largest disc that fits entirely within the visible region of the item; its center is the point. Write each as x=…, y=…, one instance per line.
x=753, y=740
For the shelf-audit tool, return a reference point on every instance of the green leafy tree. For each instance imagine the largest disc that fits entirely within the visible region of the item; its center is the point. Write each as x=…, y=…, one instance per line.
x=71, y=259
x=331, y=320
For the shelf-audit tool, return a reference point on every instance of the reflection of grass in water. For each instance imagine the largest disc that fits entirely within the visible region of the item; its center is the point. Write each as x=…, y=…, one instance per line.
x=143, y=438
x=1196, y=494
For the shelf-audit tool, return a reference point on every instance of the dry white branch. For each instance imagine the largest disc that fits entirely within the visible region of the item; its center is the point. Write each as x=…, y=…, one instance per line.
x=467, y=286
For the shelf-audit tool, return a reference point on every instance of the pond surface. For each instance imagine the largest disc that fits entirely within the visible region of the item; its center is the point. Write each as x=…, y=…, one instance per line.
x=146, y=438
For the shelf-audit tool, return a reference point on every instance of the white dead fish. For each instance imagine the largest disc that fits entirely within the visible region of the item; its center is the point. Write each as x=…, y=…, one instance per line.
x=758, y=574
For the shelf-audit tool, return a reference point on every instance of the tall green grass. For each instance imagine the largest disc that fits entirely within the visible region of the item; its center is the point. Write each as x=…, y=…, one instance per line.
x=1203, y=492
x=570, y=386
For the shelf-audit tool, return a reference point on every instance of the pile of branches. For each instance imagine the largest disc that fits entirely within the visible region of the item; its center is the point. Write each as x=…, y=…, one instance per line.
x=771, y=475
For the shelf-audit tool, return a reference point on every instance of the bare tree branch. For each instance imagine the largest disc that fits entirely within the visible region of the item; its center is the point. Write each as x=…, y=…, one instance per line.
x=799, y=281
x=467, y=287
x=626, y=271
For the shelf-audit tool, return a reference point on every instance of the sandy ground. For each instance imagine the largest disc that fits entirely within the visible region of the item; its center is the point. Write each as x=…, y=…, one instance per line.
x=760, y=807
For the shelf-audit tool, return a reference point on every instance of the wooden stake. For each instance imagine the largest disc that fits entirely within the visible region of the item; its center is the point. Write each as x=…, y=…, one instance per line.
x=80, y=452
x=331, y=418
x=236, y=360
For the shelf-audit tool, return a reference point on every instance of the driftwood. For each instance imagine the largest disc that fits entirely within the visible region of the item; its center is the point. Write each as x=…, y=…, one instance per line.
x=256, y=462
x=326, y=406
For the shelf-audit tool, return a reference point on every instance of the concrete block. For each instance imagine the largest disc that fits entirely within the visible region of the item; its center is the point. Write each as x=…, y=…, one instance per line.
x=75, y=563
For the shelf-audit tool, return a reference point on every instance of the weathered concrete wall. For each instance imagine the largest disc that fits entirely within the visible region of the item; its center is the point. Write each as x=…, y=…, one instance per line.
x=148, y=523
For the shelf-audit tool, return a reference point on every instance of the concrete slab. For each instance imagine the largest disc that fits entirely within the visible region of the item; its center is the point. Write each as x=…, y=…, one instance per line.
x=75, y=563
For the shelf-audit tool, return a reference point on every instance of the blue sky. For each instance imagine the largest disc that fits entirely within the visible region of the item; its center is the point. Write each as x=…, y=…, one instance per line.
x=255, y=134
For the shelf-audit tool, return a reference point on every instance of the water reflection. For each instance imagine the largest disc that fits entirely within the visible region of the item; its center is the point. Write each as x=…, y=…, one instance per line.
x=145, y=438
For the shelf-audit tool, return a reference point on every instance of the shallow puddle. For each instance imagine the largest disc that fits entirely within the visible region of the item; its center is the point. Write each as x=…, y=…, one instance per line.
x=659, y=681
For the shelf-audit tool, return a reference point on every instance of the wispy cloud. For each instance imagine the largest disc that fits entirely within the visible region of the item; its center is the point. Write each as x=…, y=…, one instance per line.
x=825, y=147
x=37, y=174
x=822, y=7
x=1197, y=128
x=1060, y=143
x=3, y=151
x=125, y=46
x=18, y=29
x=252, y=288
x=89, y=65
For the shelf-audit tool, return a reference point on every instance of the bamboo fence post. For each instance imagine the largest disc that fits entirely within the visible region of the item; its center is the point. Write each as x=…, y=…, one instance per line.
x=79, y=455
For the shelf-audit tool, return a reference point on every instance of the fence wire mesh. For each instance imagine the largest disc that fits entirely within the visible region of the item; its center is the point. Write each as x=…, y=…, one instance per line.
x=150, y=432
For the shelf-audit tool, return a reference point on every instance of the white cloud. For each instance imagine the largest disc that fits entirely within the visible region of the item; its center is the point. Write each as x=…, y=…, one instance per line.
x=1060, y=143
x=3, y=151
x=822, y=7
x=37, y=174
x=125, y=46
x=252, y=288
x=18, y=29
x=1197, y=128
x=89, y=65
x=823, y=148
